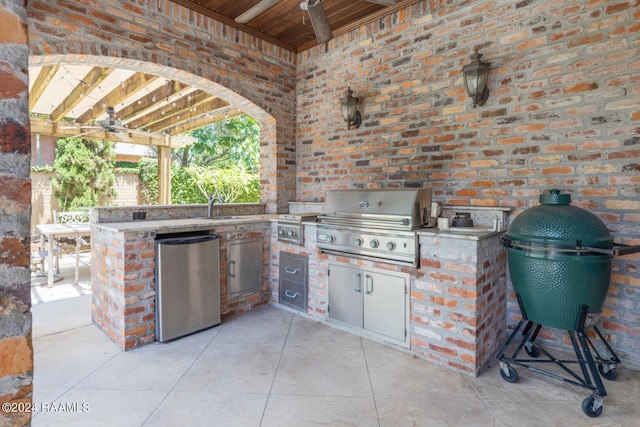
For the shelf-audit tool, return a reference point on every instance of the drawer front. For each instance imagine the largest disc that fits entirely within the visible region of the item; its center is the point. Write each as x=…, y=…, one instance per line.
x=293, y=280
x=293, y=294
x=293, y=267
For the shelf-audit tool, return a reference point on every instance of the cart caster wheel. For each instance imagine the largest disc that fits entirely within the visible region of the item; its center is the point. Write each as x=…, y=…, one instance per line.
x=512, y=377
x=611, y=374
x=531, y=350
x=587, y=407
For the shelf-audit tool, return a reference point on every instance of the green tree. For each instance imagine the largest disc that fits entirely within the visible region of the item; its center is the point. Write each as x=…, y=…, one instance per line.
x=233, y=185
x=84, y=172
x=148, y=170
x=234, y=142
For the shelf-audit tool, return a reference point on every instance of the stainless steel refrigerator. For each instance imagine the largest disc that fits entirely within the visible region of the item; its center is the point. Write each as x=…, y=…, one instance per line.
x=187, y=285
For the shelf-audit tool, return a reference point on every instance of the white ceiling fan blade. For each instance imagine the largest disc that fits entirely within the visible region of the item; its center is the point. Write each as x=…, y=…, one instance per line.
x=80, y=135
x=256, y=10
x=319, y=20
x=123, y=136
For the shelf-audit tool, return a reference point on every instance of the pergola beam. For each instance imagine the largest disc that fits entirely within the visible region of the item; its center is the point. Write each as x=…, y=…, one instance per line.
x=72, y=129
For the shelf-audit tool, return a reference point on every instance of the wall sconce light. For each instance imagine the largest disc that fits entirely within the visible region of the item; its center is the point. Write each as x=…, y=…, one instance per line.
x=475, y=79
x=349, y=112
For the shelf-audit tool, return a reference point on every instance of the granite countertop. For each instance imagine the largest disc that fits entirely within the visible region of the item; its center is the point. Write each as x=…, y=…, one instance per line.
x=181, y=224
x=461, y=233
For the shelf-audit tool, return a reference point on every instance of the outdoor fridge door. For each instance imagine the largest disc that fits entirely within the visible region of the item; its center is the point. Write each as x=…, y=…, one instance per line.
x=187, y=285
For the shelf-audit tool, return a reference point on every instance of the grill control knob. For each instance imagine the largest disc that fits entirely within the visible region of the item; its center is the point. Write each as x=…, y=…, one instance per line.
x=291, y=233
x=374, y=243
x=330, y=238
x=391, y=246
x=281, y=232
x=358, y=241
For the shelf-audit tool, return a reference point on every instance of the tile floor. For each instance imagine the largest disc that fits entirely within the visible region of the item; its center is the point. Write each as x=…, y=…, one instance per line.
x=271, y=367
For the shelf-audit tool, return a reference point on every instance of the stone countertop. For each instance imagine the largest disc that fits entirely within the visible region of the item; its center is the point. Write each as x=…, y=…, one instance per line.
x=463, y=234
x=181, y=224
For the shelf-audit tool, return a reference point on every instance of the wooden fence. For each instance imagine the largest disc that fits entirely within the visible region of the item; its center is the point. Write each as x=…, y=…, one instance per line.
x=43, y=203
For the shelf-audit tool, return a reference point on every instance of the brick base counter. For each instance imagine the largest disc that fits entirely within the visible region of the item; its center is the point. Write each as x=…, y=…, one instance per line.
x=123, y=273
x=457, y=298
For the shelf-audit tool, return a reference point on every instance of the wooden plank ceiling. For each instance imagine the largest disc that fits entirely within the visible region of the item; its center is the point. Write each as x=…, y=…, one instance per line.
x=125, y=106
x=285, y=23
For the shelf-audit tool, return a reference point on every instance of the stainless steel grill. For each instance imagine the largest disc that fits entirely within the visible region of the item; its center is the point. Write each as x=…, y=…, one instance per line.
x=375, y=224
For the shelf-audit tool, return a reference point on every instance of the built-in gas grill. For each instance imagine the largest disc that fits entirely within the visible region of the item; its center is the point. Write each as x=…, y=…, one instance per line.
x=374, y=224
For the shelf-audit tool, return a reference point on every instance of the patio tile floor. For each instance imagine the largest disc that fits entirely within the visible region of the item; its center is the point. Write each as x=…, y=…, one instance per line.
x=271, y=367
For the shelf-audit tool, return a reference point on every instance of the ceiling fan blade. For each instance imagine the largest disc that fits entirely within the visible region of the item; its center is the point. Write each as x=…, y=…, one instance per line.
x=80, y=135
x=256, y=10
x=122, y=136
x=384, y=2
x=319, y=21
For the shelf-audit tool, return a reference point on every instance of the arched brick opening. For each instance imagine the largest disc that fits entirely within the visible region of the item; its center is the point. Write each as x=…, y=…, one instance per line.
x=267, y=122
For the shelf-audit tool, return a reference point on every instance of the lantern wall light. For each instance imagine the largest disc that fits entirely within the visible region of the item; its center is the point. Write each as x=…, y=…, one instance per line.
x=349, y=112
x=475, y=79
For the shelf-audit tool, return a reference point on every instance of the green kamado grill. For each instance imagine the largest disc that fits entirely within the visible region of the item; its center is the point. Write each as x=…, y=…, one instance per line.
x=559, y=259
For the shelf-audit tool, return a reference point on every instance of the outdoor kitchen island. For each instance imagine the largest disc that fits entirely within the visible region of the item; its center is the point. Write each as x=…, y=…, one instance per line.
x=123, y=262
x=455, y=307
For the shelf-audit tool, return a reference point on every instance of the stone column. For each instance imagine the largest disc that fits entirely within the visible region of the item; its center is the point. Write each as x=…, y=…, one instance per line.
x=16, y=351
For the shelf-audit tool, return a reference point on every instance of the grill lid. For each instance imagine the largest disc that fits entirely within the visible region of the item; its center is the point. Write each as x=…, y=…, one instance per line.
x=555, y=222
x=395, y=208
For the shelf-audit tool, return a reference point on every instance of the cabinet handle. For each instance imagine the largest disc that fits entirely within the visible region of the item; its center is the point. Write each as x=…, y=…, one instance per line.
x=288, y=294
x=291, y=270
x=232, y=272
x=357, y=282
x=368, y=281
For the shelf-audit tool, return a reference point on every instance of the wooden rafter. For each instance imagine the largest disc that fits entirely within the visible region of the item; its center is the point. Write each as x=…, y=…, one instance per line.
x=116, y=96
x=153, y=99
x=183, y=104
x=220, y=115
x=91, y=81
x=42, y=81
x=187, y=115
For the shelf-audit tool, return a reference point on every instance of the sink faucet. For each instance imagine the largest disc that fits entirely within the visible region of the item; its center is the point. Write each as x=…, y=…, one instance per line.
x=213, y=200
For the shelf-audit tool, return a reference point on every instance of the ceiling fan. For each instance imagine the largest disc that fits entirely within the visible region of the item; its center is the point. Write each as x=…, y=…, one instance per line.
x=316, y=11
x=110, y=125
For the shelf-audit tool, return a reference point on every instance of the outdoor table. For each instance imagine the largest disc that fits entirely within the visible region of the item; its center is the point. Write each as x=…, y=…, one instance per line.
x=53, y=231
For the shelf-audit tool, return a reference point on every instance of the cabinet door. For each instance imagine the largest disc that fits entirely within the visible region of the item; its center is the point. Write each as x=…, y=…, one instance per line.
x=385, y=304
x=244, y=265
x=345, y=294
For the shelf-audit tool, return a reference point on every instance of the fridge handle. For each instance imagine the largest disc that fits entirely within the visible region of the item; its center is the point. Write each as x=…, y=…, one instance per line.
x=232, y=272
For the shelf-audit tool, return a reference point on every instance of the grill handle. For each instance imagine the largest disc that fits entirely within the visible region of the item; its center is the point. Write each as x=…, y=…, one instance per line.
x=616, y=250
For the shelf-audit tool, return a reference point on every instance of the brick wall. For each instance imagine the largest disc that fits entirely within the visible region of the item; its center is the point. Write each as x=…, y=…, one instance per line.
x=16, y=351
x=165, y=39
x=564, y=111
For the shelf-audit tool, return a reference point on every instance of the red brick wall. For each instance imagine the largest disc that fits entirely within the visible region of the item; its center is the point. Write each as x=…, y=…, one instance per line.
x=564, y=111
x=16, y=351
x=163, y=38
